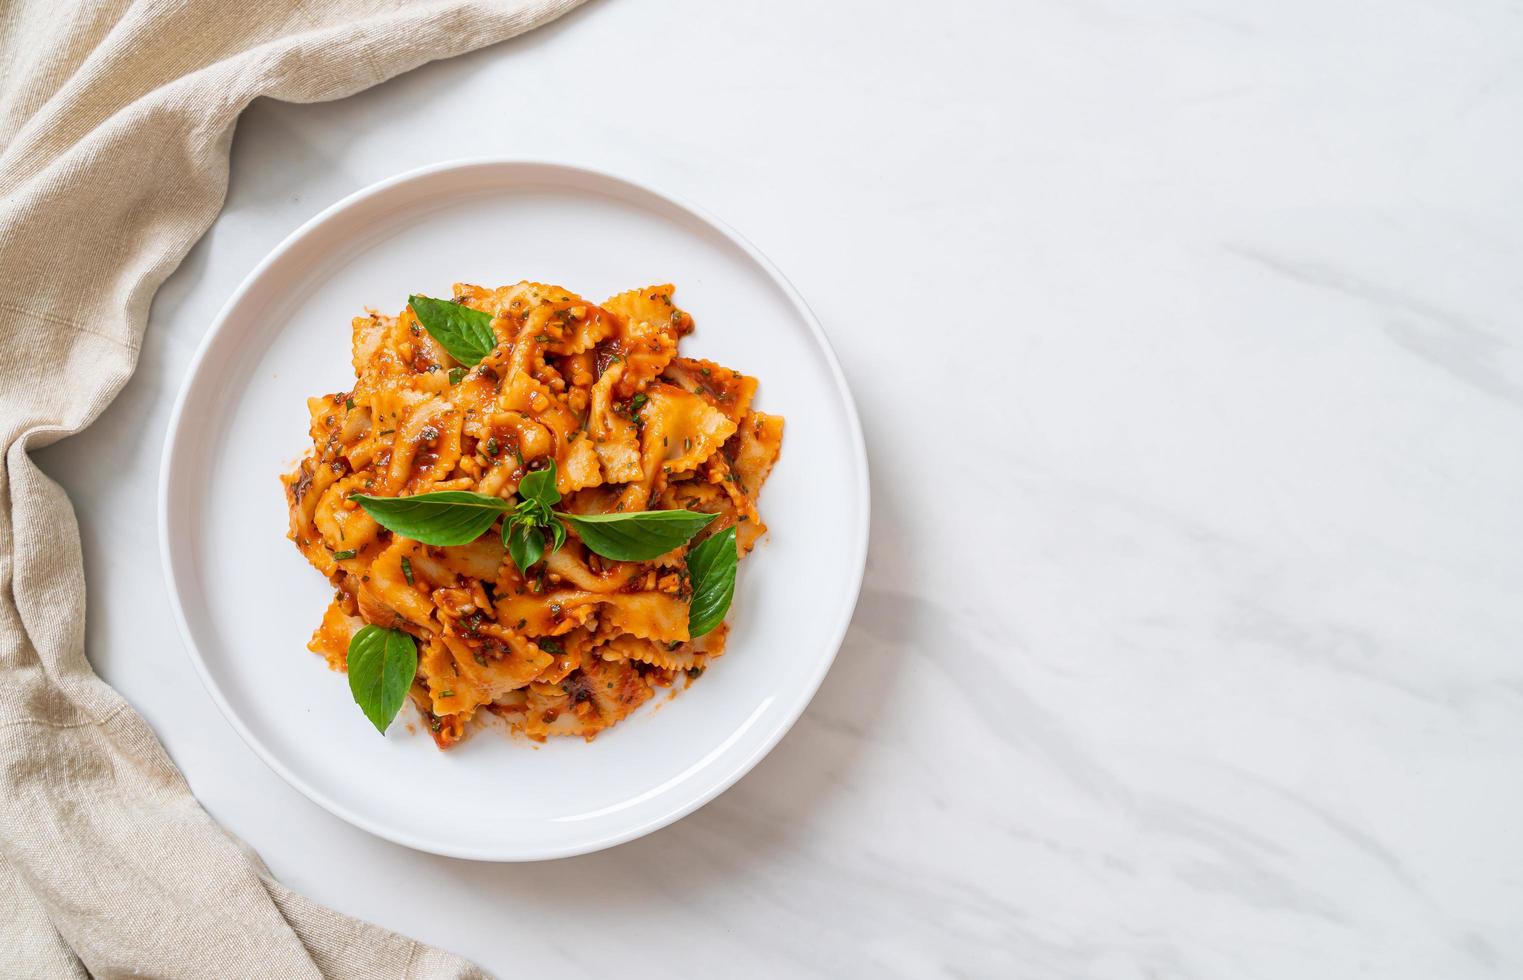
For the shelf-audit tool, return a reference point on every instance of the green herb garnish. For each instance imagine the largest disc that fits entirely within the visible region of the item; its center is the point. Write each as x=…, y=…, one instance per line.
x=711, y=569
x=638, y=535
x=342, y=555
x=525, y=543
x=532, y=526
x=407, y=570
x=444, y=517
x=466, y=333
x=382, y=664
x=523, y=531
x=456, y=375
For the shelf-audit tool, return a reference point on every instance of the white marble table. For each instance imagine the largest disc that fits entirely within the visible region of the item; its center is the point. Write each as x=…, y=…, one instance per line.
x=1186, y=337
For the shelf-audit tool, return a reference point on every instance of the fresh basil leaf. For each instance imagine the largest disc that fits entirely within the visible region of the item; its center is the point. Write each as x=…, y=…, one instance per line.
x=526, y=545
x=639, y=535
x=382, y=664
x=711, y=570
x=466, y=333
x=533, y=512
x=558, y=533
x=444, y=517
x=539, y=486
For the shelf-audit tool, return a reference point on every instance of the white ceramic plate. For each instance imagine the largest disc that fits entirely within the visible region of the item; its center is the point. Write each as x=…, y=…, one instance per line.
x=247, y=602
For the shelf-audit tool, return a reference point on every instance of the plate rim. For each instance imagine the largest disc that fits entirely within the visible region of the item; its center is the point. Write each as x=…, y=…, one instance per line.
x=733, y=773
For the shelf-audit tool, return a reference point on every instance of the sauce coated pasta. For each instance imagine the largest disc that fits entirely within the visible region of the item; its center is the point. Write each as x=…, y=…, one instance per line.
x=598, y=396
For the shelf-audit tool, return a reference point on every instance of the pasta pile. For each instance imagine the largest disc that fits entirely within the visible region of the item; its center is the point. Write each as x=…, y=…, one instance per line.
x=579, y=641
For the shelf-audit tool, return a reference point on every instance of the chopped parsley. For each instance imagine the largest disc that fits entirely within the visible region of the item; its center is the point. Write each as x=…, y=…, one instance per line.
x=456, y=375
x=342, y=555
x=407, y=570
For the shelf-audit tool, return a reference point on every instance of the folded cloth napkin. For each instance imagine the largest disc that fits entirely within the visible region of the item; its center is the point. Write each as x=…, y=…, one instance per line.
x=115, y=122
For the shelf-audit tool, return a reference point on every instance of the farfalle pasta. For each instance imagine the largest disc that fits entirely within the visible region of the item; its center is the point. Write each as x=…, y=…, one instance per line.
x=596, y=399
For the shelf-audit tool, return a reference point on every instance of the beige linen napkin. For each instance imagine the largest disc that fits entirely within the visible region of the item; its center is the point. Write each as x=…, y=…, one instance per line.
x=115, y=121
